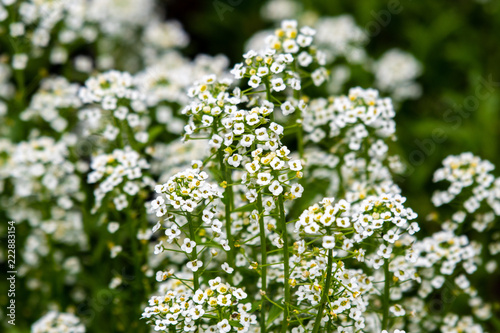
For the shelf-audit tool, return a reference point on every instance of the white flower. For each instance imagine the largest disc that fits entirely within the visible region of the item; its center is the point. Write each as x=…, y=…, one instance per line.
x=252, y=167
x=239, y=294
x=161, y=276
x=277, y=67
x=290, y=46
x=287, y=108
x=276, y=128
x=225, y=244
x=194, y=265
x=159, y=248
x=264, y=178
x=156, y=203
x=397, y=310
x=234, y=160
x=295, y=165
x=247, y=140
x=391, y=236
x=275, y=188
x=19, y=61
x=297, y=190
x=120, y=202
x=328, y=242
x=262, y=71
x=225, y=266
x=115, y=250
x=113, y=227
x=216, y=141
x=188, y=245
x=278, y=84
x=224, y=326
x=254, y=81
x=277, y=164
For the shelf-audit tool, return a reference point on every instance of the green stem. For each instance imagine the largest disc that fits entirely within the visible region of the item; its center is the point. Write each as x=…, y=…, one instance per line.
x=228, y=203
x=136, y=258
x=385, y=300
x=324, y=294
x=192, y=235
x=268, y=97
x=387, y=287
x=263, y=250
x=286, y=259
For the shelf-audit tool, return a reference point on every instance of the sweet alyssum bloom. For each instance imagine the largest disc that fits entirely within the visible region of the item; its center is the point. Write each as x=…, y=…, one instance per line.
x=120, y=171
x=218, y=298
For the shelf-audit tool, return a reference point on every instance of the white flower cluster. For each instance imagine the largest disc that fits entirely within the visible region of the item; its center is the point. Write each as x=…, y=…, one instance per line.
x=472, y=186
x=348, y=295
x=279, y=10
x=361, y=124
x=439, y=255
x=168, y=77
x=395, y=73
x=185, y=191
x=216, y=308
x=55, y=103
x=341, y=227
x=361, y=114
x=347, y=41
x=326, y=215
x=58, y=322
x=165, y=35
x=121, y=172
x=453, y=323
x=42, y=166
x=116, y=18
x=277, y=65
x=119, y=99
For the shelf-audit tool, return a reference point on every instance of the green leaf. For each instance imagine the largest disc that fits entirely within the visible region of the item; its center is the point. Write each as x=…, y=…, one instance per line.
x=273, y=314
x=154, y=132
x=246, y=208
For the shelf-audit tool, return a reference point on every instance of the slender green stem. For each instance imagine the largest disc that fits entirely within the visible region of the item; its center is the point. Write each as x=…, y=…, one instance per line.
x=192, y=235
x=268, y=97
x=263, y=250
x=324, y=294
x=228, y=203
x=385, y=300
x=137, y=259
x=286, y=258
x=387, y=288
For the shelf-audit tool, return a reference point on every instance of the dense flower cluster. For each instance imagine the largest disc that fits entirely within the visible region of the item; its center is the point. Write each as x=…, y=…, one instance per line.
x=219, y=307
x=185, y=191
x=116, y=106
x=395, y=73
x=45, y=162
x=120, y=172
x=54, y=103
